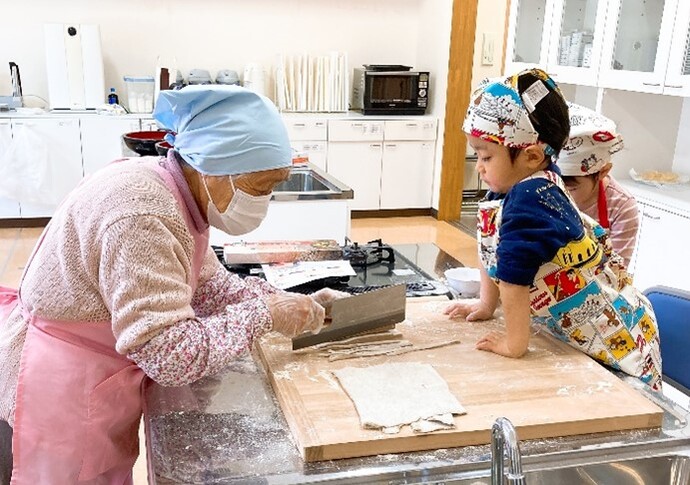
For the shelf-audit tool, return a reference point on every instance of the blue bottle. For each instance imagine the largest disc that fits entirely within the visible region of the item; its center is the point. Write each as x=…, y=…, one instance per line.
x=112, y=97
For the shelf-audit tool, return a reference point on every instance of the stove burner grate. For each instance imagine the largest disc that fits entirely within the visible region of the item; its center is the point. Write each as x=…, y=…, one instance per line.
x=368, y=254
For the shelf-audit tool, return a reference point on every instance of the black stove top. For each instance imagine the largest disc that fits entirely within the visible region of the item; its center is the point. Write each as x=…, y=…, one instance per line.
x=376, y=265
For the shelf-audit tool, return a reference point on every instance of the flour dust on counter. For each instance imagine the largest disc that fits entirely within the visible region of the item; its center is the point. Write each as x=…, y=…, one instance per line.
x=392, y=395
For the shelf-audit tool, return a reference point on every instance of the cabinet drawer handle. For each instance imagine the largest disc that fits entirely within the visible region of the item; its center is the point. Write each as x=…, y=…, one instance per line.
x=320, y=124
x=411, y=125
x=375, y=145
x=356, y=125
x=391, y=145
x=652, y=217
x=652, y=84
x=674, y=86
x=299, y=125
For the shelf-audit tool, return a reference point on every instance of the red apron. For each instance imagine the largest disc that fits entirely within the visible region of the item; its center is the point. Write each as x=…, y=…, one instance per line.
x=79, y=402
x=602, y=207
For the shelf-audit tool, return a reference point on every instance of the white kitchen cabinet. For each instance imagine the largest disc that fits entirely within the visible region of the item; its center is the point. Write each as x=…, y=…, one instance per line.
x=149, y=124
x=576, y=38
x=661, y=244
x=637, y=42
x=354, y=157
x=358, y=165
x=388, y=164
x=62, y=164
x=309, y=136
x=8, y=208
x=101, y=140
x=407, y=168
x=316, y=152
x=677, y=80
x=529, y=27
x=407, y=174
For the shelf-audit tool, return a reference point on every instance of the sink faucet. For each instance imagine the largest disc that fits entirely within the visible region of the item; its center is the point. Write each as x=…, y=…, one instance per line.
x=503, y=435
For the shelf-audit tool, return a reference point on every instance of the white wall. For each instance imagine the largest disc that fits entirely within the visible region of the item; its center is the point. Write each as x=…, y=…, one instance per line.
x=648, y=124
x=210, y=34
x=681, y=161
x=433, y=54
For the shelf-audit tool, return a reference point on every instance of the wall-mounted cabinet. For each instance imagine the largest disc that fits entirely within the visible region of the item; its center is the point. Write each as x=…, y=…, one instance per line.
x=677, y=80
x=576, y=37
x=637, y=42
x=528, y=34
x=635, y=45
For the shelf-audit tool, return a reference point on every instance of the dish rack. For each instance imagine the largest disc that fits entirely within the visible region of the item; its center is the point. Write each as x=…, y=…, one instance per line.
x=312, y=84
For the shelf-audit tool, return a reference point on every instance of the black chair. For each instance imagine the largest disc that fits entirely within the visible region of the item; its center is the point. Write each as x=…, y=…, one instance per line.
x=672, y=309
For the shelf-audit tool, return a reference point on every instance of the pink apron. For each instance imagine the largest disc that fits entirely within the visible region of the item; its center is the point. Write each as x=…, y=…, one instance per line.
x=79, y=402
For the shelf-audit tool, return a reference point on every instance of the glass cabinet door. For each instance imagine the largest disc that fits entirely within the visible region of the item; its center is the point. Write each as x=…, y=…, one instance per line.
x=677, y=80
x=576, y=39
x=637, y=43
x=528, y=34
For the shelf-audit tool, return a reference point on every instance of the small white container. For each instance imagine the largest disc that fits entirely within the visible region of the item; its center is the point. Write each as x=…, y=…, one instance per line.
x=465, y=281
x=140, y=93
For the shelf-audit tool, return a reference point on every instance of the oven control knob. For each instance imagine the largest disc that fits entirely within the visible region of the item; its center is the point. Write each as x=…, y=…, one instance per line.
x=422, y=93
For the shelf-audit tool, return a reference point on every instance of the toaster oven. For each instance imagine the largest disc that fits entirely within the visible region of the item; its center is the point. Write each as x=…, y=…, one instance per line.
x=390, y=90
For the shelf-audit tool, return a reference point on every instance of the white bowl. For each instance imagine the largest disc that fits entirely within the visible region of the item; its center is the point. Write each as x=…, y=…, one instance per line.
x=465, y=281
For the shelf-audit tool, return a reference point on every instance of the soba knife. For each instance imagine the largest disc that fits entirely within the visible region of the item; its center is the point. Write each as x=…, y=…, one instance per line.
x=359, y=314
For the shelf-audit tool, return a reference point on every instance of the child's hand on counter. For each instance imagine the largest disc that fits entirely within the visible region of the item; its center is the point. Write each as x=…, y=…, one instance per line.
x=498, y=343
x=472, y=311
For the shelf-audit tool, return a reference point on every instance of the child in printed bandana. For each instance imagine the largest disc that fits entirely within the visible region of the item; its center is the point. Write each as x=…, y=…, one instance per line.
x=585, y=163
x=546, y=262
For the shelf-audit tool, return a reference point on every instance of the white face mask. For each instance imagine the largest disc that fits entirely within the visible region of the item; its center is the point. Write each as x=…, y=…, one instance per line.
x=244, y=213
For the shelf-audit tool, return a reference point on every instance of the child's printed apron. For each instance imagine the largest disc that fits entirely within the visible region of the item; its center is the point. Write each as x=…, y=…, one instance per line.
x=584, y=296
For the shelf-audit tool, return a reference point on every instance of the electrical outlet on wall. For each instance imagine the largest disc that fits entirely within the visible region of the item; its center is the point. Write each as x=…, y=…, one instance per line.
x=488, y=48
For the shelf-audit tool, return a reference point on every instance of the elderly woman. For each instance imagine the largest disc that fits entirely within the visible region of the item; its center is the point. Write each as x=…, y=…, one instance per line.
x=123, y=285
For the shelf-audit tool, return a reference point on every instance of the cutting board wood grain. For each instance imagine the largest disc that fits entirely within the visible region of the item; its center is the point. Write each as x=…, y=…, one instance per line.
x=552, y=391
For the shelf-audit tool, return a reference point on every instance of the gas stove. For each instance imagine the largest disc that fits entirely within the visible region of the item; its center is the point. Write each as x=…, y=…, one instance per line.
x=377, y=264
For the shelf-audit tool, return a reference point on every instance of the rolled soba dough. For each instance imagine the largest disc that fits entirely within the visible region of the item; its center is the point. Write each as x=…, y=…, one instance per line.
x=391, y=395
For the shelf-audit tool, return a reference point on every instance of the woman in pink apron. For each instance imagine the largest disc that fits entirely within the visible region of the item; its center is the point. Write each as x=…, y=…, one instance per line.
x=585, y=163
x=122, y=286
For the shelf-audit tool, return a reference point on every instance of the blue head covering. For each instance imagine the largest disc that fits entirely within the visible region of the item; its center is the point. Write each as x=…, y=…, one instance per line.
x=224, y=130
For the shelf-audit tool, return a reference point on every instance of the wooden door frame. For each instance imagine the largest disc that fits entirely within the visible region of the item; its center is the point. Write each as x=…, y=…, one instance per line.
x=460, y=62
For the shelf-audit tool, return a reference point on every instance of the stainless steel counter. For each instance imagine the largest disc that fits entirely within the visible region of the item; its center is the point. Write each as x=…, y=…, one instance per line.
x=229, y=429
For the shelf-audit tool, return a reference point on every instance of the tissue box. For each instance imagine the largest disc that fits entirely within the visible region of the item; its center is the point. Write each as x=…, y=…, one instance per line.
x=281, y=251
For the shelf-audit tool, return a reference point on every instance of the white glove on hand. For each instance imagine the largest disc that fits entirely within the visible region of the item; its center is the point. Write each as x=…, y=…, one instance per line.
x=293, y=313
x=326, y=296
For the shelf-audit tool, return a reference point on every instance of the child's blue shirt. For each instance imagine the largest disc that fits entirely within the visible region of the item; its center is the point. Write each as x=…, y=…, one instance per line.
x=538, y=219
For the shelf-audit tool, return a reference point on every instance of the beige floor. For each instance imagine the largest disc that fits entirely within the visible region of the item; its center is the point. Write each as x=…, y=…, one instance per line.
x=16, y=245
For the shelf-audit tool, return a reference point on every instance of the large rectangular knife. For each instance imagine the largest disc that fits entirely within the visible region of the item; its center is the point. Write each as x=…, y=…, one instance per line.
x=357, y=314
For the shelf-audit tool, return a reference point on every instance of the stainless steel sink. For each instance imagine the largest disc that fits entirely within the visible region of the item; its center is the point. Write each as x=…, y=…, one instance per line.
x=301, y=181
x=657, y=470
x=307, y=182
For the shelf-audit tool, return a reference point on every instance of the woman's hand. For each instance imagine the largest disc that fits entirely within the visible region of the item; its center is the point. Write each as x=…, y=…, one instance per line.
x=326, y=296
x=294, y=314
x=472, y=311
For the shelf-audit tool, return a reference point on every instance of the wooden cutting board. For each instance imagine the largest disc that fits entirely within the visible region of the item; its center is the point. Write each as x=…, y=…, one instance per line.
x=552, y=391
